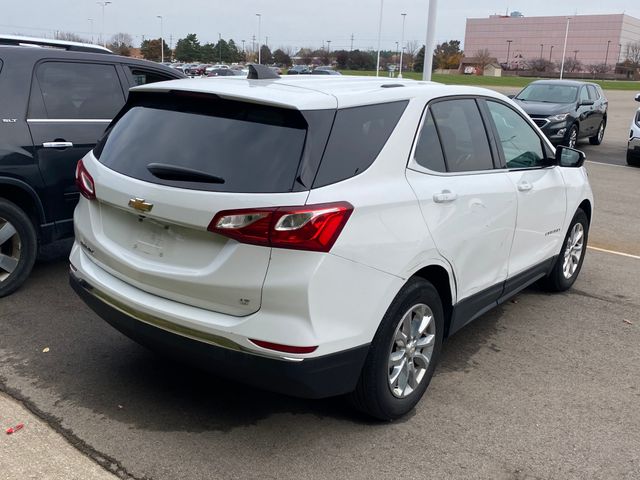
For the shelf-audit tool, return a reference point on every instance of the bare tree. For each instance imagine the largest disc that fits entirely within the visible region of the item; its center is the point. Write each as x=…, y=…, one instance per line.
x=483, y=58
x=121, y=44
x=598, y=68
x=69, y=37
x=633, y=53
x=540, y=65
x=412, y=48
x=573, y=65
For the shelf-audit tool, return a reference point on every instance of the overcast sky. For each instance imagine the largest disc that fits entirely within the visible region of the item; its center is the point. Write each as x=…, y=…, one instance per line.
x=294, y=23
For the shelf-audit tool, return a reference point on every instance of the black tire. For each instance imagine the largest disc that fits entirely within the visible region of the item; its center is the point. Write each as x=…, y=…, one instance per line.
x=556, y=281
x=373, y=394
x=24, y=242
x=632, y=161
x=568, y=135
x=597, y=138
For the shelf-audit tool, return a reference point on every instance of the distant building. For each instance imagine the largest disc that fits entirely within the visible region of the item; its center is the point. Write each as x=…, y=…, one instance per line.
x=592, y=39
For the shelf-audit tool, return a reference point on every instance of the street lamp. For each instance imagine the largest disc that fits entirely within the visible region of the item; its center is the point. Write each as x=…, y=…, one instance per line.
x=404, y=17
x=379, y=34
x=508, y=52
x=430, y=44
x=259, y=25
x=161, y=40
x=606, y=57
x=91, y=28
x=103, y=4
x=541, y=49
x=550, y=53
x=564, y=50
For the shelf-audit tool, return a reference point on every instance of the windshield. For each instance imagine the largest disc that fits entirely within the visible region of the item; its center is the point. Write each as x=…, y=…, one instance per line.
x=549, y=93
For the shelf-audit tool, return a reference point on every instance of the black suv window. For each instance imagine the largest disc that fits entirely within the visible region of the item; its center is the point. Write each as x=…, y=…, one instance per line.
x=76, y=91
x=428, y=150
x=584, y=94
x=521, y=145
x=593, y=92
x=463, y=135
x=141, y=76
x=356, y=139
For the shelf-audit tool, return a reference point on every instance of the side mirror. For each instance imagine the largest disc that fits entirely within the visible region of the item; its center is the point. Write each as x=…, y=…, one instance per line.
x=569, y=157
x=587, y=103
x=638, y=97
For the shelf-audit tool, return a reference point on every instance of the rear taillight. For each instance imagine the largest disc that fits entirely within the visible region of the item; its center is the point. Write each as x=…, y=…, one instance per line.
x=310, y=227
x=84, y=182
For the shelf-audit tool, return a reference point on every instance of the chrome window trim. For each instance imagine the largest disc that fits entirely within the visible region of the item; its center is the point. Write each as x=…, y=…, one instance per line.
x=67, y=120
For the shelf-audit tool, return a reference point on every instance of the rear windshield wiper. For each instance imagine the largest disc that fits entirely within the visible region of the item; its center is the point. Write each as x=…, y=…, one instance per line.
x=175, y=172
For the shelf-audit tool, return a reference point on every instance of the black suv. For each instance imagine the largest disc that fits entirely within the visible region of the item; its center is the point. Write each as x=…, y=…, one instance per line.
x=57, y=99
x=566, y=110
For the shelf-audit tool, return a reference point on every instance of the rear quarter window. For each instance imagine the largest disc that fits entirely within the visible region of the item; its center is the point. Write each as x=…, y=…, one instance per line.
x=356, y=139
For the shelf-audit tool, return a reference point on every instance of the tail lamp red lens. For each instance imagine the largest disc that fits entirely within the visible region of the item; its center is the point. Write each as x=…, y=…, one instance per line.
x=283, y=348
x=84, y=182
x=310, y=227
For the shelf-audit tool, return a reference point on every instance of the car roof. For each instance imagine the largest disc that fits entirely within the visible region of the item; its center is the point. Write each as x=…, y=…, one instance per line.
x=572, y=83
x=317, y=92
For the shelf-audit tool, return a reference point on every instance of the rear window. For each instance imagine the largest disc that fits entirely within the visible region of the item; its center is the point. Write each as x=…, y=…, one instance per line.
x=357, y=137
x=251, y=148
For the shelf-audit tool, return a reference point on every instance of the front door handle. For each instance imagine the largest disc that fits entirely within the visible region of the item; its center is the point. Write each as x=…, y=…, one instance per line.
x=524, y=186
x=57, y=144
x=445, y=196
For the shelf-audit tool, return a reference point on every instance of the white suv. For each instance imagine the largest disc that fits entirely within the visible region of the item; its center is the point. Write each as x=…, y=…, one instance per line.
x=321, y=236
x=633, y=145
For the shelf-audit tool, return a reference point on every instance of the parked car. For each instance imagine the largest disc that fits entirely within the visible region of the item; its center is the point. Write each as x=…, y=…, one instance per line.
x=57, y=99
x=566, y=110
x=298, y=70
x=337, y=266
x=633, y=146
x=324, y=71
x=221, y=72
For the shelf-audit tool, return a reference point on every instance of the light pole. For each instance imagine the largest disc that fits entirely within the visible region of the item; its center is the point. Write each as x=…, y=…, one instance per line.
x=541, y=49
x=550, y=53
x=219, y=48
x=379, y=34
x=161, y=40
x=243, y=47
x=404, y=17
x=103, y=4
x=259, y=25
x=564, y=50
x=606, y=57
x=429, y=45
x=508, y=52
x=91, y=28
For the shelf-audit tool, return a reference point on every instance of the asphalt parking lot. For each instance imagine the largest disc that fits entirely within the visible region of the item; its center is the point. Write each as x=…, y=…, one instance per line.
x=544, y=387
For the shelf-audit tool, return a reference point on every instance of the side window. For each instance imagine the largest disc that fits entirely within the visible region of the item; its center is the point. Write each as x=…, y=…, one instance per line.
x=77, y=90
x=356, y=139
x=141, y=76
x=593, y=92
x=520, y=143
x=428, y=150
x=463, y=136
x=584, y=94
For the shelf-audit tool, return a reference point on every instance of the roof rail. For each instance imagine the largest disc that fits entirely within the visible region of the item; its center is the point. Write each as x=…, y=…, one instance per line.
x=261, y=72
x=47, y=42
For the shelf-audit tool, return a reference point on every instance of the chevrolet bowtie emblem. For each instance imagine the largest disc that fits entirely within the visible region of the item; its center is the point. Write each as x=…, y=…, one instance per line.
x=140, y=205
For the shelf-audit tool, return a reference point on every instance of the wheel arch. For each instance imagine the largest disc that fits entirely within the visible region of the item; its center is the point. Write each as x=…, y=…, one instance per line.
x=585, y=206
x=444, y=283
x=24, y=196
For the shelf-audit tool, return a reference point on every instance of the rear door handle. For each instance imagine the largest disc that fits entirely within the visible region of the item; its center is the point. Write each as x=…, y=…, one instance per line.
x=525, y=186
x=444, y=197
x=57, y=144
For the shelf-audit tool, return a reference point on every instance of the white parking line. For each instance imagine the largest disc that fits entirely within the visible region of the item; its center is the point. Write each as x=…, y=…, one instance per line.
x=622, y=254
x=607, y=164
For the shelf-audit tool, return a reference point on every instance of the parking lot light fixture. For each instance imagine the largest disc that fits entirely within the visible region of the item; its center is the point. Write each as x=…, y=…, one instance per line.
x=606, y=57
x=91, y=28
x=508, y=51
x=104, y=40
x=161, y=40
x=431, y=40
x=379, y=35
x=541, y=49
x=564, y=50
x=259, y=25
x=404, y=17
x=550, y=53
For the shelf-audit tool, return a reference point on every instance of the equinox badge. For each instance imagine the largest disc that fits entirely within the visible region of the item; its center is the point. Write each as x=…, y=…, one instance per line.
x=140, y=205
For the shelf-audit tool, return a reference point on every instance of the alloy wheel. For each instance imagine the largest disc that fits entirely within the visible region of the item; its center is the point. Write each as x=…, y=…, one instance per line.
x=573, y=251
x=573, y=138
x=601, y=132
x=411, y=350
x=10, y=249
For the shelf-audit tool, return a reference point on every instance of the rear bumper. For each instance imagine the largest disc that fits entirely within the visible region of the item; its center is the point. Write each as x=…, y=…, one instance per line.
x=316, y=377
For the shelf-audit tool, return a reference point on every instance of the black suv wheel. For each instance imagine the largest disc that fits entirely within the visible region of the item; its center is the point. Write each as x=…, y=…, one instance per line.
x=18, y=247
